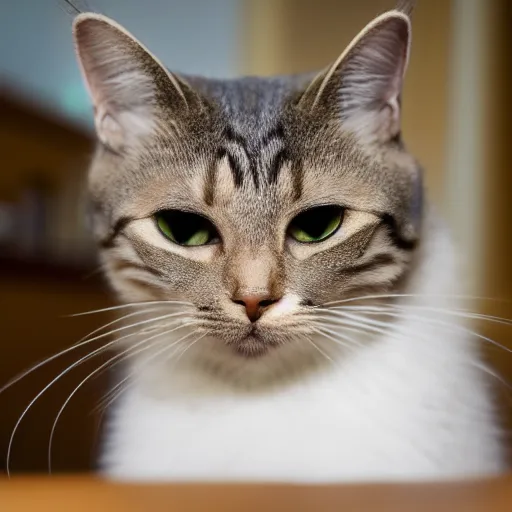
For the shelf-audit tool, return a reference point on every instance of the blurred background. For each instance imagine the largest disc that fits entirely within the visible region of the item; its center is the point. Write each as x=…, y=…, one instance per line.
x=457, y=111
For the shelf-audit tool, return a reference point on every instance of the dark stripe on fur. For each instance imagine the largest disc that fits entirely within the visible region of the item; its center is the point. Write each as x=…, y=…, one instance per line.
x=232, y=136
x=253, y=168
x=235, y=138
x=277, y=164
x=376, y=262
x=396, y=239
x=128, y=265
x=297, y=171
x=110, y=240
x=236, y=169
x=211, y=173
x=276, y=133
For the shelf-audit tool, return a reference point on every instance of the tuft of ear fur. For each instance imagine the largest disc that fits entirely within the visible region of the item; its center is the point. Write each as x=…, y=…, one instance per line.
x=406, y=6
x=363, y=87
x=128, y=86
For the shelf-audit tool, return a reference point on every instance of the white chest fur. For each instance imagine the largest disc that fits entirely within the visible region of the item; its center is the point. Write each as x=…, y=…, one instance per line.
x=392, y=412
x=405, y=407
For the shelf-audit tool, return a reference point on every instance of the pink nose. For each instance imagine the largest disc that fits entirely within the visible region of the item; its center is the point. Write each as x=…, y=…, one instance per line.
x=255, y=305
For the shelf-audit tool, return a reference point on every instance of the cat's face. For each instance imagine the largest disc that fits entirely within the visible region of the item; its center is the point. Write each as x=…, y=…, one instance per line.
x=256, y=200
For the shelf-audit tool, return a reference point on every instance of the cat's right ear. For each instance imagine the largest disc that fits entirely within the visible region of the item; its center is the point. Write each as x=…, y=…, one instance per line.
x=131, y=91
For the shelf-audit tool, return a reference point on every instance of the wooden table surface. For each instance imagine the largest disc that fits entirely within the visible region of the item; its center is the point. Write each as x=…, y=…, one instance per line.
x=79, y=494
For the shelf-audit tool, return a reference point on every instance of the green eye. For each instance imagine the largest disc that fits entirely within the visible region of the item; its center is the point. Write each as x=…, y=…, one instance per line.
x=316, y=224
x=185, y=228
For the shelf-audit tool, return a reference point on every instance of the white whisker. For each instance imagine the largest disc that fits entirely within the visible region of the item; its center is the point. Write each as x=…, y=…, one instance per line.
x=137, y=324
x=462, y=313
x=333, y=336
x=487, y=370
x=81, y=344
x=189, y=346
x=128, y=352
x=120, y=319
x=354, y=321
x=64, y=372
x=131, y=375
x=408, y=295
x=459, y=313
x=116, y=392
x=311, y=342
x=133, y=304
x=432, y=321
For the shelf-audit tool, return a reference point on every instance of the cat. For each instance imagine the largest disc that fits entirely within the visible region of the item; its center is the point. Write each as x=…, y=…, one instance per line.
x=291, y=310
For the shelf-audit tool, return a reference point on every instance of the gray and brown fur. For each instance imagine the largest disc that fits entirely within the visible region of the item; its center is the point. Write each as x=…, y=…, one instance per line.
x=249, y=154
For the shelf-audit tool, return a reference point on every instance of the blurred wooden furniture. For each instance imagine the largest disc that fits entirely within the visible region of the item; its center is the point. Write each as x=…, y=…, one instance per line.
x=35, y=140
x=36, y=301
x=38, y=292
x=87, y=494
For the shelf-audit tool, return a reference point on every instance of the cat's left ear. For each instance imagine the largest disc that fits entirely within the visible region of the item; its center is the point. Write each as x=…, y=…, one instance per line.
x=132, y=92
x=363, y=87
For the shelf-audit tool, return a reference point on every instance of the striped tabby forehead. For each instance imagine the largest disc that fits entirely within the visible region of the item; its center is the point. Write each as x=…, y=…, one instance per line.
x=254, y=162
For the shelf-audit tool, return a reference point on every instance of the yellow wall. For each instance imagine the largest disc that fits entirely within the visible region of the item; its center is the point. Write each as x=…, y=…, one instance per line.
x=497, y=239
x=291, y=36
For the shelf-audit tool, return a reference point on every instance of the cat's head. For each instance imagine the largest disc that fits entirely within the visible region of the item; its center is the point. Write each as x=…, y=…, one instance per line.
x=257, y=201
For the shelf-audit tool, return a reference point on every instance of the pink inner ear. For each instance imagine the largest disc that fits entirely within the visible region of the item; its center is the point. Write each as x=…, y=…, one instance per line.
x=125, y=82
x=392, y=97
x=120, y=76
x=371, y=79
x=109, y=131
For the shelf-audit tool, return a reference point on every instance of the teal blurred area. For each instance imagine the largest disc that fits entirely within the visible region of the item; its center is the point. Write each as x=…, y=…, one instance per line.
x=36, y=49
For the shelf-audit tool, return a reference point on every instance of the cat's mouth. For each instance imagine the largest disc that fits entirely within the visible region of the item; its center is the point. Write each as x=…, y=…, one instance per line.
x=253, y=344
x=254, y=340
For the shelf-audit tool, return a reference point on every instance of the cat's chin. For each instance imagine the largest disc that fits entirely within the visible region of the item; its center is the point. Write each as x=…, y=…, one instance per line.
x=251, y=346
